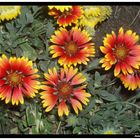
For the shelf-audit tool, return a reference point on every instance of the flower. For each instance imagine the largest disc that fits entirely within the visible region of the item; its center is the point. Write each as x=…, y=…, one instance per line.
x=64, y=87
x=131, y=81
x=121, y=51
x=61, y=8
x=92, y=15
x=109, y=131
x=17, y=78
x=66, y=15
x=72, y=47
x=9, y=12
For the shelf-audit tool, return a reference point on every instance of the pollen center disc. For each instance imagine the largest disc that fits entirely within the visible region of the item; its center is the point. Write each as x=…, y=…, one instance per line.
x=65, y=89
x=14, y=78
x=121, y=52
x=71, y=49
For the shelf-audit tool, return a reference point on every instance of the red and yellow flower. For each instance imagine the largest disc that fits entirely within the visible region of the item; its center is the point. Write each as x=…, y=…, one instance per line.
x=121, y=51
x=131, y=81
x=66, y=15
x=72, y=47
x=17, y=78
x=64, y=87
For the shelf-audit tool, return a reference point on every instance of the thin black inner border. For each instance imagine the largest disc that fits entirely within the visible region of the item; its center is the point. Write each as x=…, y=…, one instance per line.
x=41, y=3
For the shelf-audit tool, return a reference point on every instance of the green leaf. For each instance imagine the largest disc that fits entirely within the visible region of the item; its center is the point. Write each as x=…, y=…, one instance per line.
x=18, y=52
x=72, y=120
x=29, y=18
x=49, y=29
x=34, y=130
x=37, y=42
x=30, y=117
x=93, y=64
x=117, y=93
x=89, y=107
x=99, y=77
x=35, y=9
x=119, y=107
x=0, y=49
x=98, y=80
x=47, y=127
x=28, y=51
x=76, y=130
x=10, y=27
x=43, y=65
x=107, y=96
x=22, y=18
x=14, y=130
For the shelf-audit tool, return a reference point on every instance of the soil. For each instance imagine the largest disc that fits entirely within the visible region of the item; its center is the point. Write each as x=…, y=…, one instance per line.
x=127, y=17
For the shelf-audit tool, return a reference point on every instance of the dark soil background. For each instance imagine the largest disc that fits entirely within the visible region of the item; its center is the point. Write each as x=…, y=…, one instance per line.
x=127, y=17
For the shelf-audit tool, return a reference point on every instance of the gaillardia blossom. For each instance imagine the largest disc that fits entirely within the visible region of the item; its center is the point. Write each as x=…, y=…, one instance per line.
x=66, y=15
x=63, y=87
x=131, y=81
x=72, y=47
x=9, y=12
x=121, y=51
x=17, y=78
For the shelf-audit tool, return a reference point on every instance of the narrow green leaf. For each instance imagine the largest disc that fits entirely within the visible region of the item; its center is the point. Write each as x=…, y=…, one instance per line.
x=107, y=96
x=30, y=117
x=28, y=51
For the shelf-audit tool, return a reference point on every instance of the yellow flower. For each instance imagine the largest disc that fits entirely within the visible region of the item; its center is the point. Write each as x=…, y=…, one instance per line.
x=92, y=11
x=109, y=132
x=60, y=8
x=9, y=12
x=93, y=15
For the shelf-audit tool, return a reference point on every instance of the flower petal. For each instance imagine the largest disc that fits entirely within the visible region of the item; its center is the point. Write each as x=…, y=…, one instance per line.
x=63, y=109
x=76, y=105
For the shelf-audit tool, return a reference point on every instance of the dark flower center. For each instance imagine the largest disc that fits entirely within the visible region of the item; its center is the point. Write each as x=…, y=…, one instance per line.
x=64, y=89
x=121, y=52
x=71, y=49
x=14, y=79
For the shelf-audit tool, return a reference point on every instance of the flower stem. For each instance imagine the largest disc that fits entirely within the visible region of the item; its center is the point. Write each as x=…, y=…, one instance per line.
x=58, y=127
